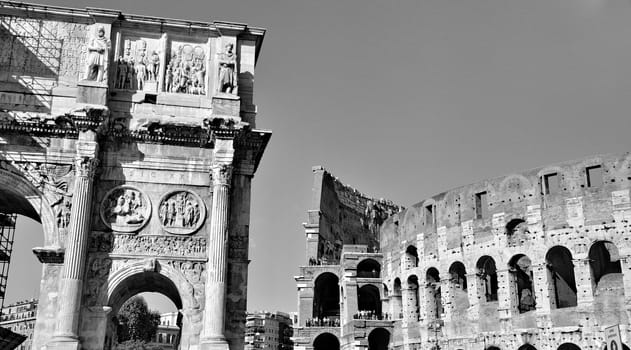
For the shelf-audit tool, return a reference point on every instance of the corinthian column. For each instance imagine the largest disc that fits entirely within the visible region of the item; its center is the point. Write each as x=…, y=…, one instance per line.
x=212, y=336
x=69, y=301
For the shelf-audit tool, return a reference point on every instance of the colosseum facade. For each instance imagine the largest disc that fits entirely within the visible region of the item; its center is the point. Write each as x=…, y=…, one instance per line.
x=534, y=260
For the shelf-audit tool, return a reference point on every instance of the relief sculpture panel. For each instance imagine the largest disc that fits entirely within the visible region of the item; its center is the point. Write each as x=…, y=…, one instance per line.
x=125, y=209
x=186, y=70
x=138, y=67
x=172, y=246
x=181, y=212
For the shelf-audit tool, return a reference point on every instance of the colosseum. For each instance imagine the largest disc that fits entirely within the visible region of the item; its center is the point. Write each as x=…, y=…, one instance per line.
x=534, y=260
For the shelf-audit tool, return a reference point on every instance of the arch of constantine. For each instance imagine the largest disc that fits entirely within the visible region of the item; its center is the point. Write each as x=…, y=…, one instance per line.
x=133, y=141
x=534, y=260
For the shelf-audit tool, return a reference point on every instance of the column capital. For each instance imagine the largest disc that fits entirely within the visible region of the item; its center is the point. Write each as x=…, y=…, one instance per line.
x=86, y=158
x=221, y=174
x=86, y=167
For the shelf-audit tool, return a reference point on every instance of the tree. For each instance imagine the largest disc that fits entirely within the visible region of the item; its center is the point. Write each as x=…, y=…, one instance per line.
x=136, y=323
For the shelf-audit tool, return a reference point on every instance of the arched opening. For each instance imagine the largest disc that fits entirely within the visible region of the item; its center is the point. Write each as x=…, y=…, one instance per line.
x=624, y=347
x=604, y=259
x=487, y=272
x=458, y=289
x=458, y=275
x=412, y=298
x=378, y=339
x=516, y=226
x=28, y=220
x=411, y=257
x=521, y=283
x=326, y=299
x=527, y=347
x=568, y=346
x=561, y=272
x=492, y=348
x=368, y=268
x=397, y=306
x=434, y=303
x=368, y=301
x=326, y=341
x=132, y=288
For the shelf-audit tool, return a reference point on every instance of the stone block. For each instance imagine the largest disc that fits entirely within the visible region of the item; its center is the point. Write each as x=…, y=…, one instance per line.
x=226, y=105
x=91, y=92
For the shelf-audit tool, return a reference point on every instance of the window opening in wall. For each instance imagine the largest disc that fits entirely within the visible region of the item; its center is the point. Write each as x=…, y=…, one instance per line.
x=550, y=183
x=520, y=268
x=411, y=257
x=516, y=226
x=326, y=301
x=434, y=306
x=604, y=260
x=481, y=205
x=429, y=215
x=487, y=272
x=413, y=297
x=458, y=275
x=594, y=176
x=561, y=270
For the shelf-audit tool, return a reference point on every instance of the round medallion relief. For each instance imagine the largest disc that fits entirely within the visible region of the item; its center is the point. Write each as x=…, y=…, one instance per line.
x=181, y=212
x=125, y=209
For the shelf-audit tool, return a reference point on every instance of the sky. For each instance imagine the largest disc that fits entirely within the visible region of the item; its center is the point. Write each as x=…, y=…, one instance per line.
x=405, y=99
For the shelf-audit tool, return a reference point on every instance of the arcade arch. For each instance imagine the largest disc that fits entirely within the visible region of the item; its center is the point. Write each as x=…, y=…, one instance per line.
x=412, y=298
x=527, y=347
x=397, y=304
x=326, y=341
x=568, y=346
x=368, y=268
x=326, y=299
x=433, y=292
x=368, y=299
x=378, y=339
x=604, y=259
x=561, y=277
x=487, y=272
x=411, y=257
x=521, y=285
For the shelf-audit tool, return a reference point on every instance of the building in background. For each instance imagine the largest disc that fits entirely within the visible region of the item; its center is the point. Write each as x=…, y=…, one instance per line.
x=533, y=260
x=20, y=318
x=168, y=333
x=268, y=330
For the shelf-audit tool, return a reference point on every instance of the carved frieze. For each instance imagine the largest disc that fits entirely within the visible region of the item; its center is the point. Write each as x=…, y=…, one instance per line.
x=181, y=212
x=124, y=244
x=186, y=69
x=139, y=64
x=125, y=209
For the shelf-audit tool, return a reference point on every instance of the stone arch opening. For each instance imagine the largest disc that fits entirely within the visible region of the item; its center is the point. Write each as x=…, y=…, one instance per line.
x=411, y=257
x=458, y=289
x=515, y=226
x=487, y=272
x=527, y=347
x=397, y=305
x=624, y=347
x=368, y=268
x=412, y=298
x=434, y=302
x=326, y=341
x=568, y=346
x=368, y=300
x=561, y=276
x=492, y=348
x=378, y=339
x=326, y=299
x=458, y=275
x=604, y=259
x=521, y=283
x=148, y=280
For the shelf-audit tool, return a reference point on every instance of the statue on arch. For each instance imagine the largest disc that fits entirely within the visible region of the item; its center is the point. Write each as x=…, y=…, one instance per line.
x=98, y=49
x=228, y=70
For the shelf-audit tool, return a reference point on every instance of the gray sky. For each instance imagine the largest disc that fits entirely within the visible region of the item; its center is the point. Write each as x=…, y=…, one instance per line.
x=405, y=99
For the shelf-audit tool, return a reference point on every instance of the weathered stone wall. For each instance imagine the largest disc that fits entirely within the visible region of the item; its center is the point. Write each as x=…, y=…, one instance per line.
x=526, y=213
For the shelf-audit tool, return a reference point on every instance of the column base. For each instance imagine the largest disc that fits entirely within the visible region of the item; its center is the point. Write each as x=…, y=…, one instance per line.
x=218, y=343
x=64, y=343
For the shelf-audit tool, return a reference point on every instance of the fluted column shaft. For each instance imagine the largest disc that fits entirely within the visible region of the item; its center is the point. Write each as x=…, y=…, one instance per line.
x=77, y=240
x=214, y=312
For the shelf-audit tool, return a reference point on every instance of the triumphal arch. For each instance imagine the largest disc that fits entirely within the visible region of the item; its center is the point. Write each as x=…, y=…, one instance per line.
x=133, y=140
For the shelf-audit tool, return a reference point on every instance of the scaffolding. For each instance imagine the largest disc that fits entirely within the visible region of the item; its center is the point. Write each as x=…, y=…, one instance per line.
x=7, y=232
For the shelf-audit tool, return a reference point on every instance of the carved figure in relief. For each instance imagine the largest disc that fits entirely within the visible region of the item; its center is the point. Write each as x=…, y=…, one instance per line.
x=63, y=216
x=141, y=69
x=168, y=79
x=121, y=73
x=188, y=70
x=154, y=66
x=97, y=56
x=227, y=70
x=125, y=209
